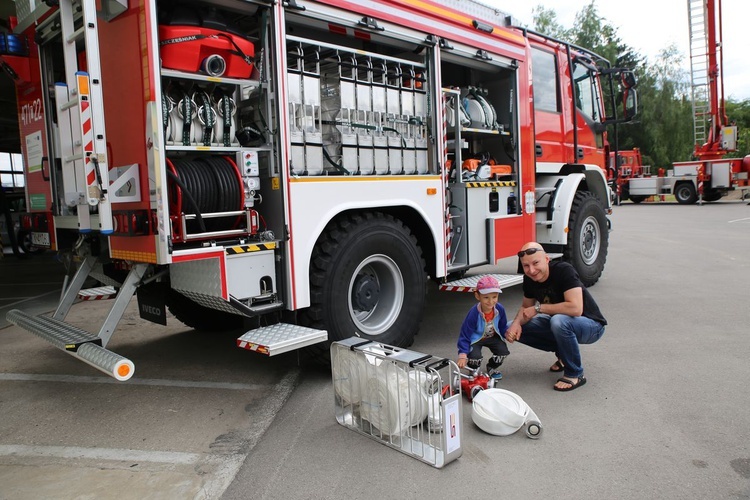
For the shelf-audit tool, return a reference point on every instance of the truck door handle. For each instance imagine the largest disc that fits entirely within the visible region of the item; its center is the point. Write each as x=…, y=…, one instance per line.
x=45, y=160
x=538, y=150
x=579, y=154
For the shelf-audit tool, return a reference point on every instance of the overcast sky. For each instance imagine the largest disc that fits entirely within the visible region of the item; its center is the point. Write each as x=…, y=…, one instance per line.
x=651, y=25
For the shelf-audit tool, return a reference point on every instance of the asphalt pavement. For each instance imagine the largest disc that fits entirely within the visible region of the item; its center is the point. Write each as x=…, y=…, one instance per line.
x=663, y=415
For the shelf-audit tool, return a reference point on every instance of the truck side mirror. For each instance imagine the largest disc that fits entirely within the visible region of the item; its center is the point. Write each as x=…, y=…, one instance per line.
x=628, y=80
x=629, y=104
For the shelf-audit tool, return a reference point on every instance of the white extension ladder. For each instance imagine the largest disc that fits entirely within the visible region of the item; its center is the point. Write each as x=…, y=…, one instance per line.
x=699, y=80
x=80, y=113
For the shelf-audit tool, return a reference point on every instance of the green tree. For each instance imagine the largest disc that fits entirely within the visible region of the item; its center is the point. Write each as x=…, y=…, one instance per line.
x=738, y=112
x=545, y=22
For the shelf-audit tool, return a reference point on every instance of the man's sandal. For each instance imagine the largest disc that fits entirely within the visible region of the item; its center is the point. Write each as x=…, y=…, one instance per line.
x=581, y=381
x=557, y=367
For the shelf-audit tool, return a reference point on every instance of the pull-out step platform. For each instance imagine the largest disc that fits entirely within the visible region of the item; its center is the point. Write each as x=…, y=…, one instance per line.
x=469, y=283
x=280, y=338
x=76, y=342
x=98, y=293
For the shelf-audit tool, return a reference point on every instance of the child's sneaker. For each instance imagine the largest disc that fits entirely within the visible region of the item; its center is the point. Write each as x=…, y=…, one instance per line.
x=495, y=374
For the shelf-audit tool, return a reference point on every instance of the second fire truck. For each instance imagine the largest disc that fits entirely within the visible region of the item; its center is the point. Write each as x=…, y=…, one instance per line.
x=301, y=167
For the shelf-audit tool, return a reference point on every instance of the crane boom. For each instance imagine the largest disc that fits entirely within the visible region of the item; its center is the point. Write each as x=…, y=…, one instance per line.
x=706, y=79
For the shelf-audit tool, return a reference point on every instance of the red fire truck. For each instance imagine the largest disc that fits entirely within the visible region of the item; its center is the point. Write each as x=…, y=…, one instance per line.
x=301, y=167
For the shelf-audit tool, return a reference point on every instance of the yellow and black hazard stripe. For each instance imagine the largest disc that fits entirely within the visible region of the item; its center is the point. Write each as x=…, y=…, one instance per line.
x=485, y=184
x=256, y=247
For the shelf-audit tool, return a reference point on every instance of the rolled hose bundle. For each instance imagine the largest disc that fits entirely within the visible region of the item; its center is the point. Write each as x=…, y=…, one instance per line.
x=205, y=185
x=389, y=397
x=348, y=375
x=501, y=412
x=391, y=400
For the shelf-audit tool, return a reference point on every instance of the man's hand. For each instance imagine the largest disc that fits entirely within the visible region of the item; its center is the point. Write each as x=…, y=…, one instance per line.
x=528, y=313
x=513, y=333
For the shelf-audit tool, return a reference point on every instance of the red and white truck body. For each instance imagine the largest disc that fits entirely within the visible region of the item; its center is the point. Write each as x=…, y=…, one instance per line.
x=301, y=167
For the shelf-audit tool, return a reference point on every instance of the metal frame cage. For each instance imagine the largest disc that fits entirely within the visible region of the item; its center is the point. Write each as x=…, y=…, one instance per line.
x=403, y=399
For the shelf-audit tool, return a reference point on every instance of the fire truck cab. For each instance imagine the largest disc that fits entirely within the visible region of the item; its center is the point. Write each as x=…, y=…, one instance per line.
x=300, y=167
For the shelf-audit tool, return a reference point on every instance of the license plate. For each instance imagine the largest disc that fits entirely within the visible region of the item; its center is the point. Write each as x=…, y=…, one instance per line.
x=40, y=239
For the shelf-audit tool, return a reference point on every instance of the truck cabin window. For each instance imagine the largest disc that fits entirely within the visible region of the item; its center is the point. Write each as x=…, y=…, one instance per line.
x=546, y=97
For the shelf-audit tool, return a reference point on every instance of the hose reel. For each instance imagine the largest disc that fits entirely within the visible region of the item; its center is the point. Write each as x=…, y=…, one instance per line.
x=203, y=186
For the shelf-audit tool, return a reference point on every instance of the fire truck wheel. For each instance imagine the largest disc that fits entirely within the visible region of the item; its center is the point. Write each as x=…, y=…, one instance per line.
x=24, y=241
x=588, y=238
x=637, y=199
x=200, y=317
x=711, y=195
x=367, y=279
x=685, y=194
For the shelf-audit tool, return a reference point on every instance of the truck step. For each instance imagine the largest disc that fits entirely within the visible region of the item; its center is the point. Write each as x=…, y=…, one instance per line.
x=98, y=293
x=76, y=342
x=279, y=338
x=468, y=283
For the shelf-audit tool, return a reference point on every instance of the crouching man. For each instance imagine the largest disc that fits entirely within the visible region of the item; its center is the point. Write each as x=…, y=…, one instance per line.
x=557, y=314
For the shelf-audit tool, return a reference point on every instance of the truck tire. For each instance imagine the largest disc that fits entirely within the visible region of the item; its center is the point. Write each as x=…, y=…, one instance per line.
x=24, y=241
x=200, y=317
x=711, y=195
x=367, y=279
x=685, y=194
x=588, y=238
x=637, y=199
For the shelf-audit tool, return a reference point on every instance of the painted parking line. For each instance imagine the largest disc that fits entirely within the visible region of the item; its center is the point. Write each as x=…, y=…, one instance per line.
x=740, y=220
x=26, y=299
x=70, y=452
x=78, y=379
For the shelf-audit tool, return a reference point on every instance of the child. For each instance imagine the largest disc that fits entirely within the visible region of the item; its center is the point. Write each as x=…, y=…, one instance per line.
x=484, y=326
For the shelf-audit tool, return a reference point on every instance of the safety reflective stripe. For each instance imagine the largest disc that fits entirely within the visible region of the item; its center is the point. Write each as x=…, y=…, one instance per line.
x=491, y=184
x=250, y=248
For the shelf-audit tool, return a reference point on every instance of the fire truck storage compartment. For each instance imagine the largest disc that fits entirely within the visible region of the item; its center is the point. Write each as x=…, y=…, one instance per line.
x=646, y=186
x=355, y=113
x=358, y=105
x=248, y=273
x=206, y=111
x=251, y=274
x=481, y=110
x=480, y=95
x=721, y=174
x=213, y=105
x=199, y=38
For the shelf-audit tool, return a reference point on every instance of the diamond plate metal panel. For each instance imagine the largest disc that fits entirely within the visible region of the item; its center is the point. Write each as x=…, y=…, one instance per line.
x=211, y=302
x=57, y=333
x=98, y=293
x=199, y=276
x=279, y=338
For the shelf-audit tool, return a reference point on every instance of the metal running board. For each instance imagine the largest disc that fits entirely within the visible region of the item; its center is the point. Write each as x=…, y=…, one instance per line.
x=280, y=338
x=98, y=293
x=76, y=342
x=469, y=283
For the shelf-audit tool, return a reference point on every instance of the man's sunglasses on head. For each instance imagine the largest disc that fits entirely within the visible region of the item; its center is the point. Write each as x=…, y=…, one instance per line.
x=529, y=251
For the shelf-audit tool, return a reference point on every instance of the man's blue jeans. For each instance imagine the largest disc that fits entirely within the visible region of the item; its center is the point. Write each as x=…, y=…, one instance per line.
x=562, y=335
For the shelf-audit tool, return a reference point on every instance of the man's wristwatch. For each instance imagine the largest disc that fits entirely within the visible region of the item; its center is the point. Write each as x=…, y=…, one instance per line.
x=538, y=307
